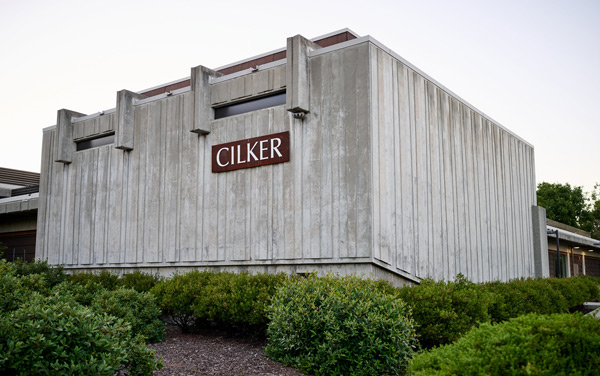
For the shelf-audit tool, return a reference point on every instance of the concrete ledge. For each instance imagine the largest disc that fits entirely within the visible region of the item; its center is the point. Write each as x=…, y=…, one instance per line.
x=19, y=204
x=363, y=270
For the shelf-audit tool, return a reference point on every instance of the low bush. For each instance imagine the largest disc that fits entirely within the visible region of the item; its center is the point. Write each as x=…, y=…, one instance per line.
x=339, y=326
x=51, y=335
x=543, y=296
x=176, y=296
x=52, y=274
x=560, y=344
x=105, y=279
x=138, y=309
x=139, y=281
x=237, y=298
x=228, y=298
x=444, y=311
x=15, y=289
x=83, y=293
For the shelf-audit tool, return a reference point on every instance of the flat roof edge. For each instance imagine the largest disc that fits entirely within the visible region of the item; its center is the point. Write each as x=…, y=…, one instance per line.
x=345, y=30
x=368, y=38
x=444, y=88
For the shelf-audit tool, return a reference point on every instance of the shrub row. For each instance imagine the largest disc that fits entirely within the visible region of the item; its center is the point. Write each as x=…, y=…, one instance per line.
x=444, y=311
x=230, y=298
x=46, y=330
x=138, y=281
x=559, y=344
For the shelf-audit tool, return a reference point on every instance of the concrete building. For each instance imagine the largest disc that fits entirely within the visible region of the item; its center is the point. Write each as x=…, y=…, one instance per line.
x=18, y=213
x=331, y=154
x=579, y=252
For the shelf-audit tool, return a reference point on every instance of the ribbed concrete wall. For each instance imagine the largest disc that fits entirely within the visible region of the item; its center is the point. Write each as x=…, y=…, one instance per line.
x=387, y=171
x=453, y=190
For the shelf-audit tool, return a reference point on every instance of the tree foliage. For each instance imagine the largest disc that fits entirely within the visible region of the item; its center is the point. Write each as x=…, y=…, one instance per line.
x=571, y=205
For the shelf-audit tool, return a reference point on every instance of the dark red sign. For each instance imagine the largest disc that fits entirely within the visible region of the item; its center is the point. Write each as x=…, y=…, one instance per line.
x=251, y=152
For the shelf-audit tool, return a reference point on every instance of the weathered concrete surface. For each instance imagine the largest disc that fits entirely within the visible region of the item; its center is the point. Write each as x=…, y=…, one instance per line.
x=388, y=169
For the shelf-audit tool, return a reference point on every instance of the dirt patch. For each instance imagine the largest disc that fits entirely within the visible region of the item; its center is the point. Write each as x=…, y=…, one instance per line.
x=214, y=353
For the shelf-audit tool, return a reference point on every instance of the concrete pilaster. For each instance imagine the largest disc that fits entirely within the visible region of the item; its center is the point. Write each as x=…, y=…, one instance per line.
x=203, y=113
x=540, y=242
x=65, y=146
x=124, y=119
x=298, y=74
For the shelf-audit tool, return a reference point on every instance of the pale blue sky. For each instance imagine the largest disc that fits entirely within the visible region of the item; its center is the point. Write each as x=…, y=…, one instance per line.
x=532, y=65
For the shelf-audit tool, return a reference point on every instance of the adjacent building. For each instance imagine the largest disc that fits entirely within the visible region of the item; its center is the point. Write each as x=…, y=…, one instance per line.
x=332, y=154
x=18, y=213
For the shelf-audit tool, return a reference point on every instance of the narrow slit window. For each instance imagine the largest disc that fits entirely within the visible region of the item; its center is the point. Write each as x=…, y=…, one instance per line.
x=96, y=142
x=250, y=105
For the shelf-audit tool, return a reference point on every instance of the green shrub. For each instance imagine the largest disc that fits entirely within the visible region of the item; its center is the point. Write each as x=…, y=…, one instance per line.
x=14, y=289
x=176, y=296
x=543, y=296
x=50, y=335
x=560, y=344
x=83, y=293
x=339, y=326
x=52, y=274
x=105, y=278
x=444, y=311
x=228, y=298
x=138, y=309
x=236, y=298
x=139, y=281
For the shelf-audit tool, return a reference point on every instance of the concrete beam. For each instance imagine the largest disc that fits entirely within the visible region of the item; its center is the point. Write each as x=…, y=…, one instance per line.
x=540, y=242
x=298, y=74
x=65, y=146
x=203, y=112
x=124, y=119
x=4, y=192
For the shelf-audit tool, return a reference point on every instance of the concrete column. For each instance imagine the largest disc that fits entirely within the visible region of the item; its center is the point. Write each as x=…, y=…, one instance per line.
x=540, y=242
x=203, y=112
x=124, y=119
x=298, y=74
x=65, y=146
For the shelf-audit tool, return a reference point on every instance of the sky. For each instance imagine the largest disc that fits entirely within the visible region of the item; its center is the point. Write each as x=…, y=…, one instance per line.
x=531, y=65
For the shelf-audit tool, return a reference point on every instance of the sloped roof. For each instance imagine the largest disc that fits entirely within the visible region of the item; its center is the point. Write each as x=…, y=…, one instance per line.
x=18, y=177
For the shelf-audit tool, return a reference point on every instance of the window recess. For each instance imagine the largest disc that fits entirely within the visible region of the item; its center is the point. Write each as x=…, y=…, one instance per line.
x=95, y=142
x=250, y=105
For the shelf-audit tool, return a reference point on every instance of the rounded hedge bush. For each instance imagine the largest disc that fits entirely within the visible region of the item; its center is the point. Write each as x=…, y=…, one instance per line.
x=228, y=298
x=339, y=326
x=138, y=309
x=543, y=296
x=139, y=281
x=444, y=311
x=55, y=336
x=560, y=344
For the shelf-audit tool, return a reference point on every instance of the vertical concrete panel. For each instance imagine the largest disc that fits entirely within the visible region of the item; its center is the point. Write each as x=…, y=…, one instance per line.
x=86, y=217
x=115, y=202
x=172, y=174
x=437, y=245
x=133, y=184
x=68, y=229
x=422, y=169
x=101, y=193
x=365, y=196
x=55, y=198
x=407, y=181
x=152, y=184
x=188, y=204
x=41, y=241
x=278, y=238
x=139, y=192
x=238, y=199
x=449, y=202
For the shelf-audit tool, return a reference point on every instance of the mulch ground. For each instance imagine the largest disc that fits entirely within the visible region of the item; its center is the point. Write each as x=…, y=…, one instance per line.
x=214, y=353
